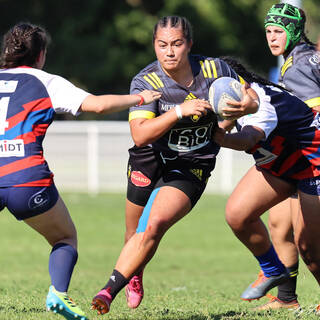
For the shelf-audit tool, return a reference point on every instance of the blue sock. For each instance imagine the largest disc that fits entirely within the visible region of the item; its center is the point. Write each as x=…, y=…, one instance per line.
x=62, y=260
x=270, y=263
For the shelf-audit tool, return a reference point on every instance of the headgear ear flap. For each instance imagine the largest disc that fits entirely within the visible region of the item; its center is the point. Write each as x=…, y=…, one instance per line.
x=287, y=17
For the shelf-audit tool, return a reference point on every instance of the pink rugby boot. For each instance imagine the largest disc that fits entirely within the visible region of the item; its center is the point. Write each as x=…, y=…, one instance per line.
x=134, y=291
x=101, y=302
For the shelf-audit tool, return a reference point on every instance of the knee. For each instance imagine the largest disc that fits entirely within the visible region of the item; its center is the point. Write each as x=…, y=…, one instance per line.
x=67, y=236
x=309, y=253
x=234, y=220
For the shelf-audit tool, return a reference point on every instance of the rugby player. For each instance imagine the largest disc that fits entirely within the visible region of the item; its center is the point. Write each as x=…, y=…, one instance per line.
x=29, y=99
x=284, y=139
x=179, y=128
x=300, y=75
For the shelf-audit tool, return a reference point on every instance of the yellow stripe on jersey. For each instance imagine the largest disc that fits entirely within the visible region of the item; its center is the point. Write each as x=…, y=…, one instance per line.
x=313, y=102
x=286, y=65
x=203, y=70
x=190, y=96
x=241, y=80
x=214, y=69
x=154, y=80
x=150, y=82
x=161, y=85
x=208, y=68
x=144, y=114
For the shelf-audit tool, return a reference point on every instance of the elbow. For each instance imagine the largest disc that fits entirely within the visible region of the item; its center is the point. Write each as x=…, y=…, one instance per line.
x=100, y=109
x=140, y=141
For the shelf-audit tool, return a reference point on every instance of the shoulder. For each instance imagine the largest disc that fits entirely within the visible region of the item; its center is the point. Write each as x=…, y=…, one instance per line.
x=210, y=67
x=150, y=77
x=302, y=55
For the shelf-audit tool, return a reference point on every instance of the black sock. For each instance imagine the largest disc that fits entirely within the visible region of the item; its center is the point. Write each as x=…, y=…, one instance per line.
x=287, y=290
x=116, y=282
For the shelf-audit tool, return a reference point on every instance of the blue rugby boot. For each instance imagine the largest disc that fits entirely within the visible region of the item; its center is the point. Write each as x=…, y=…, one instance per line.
x=60, y=303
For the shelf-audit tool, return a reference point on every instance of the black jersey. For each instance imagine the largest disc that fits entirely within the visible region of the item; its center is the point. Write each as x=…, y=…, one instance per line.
x=300, y=74
x=190, y=137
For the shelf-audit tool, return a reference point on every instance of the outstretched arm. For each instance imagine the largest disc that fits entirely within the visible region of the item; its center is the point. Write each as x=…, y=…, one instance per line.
x=113, y=103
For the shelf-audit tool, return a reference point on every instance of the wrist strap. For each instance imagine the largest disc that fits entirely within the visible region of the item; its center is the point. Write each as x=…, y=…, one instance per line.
x=178, y=111
x=141, y=100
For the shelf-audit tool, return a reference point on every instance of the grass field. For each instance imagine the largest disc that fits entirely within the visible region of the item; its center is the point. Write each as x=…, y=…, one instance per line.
x=198, y=272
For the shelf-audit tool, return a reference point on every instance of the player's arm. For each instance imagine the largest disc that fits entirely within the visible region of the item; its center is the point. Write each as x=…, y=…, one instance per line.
x=113, y=103
x=145, y=131
x=227, y=125
x=244, y=140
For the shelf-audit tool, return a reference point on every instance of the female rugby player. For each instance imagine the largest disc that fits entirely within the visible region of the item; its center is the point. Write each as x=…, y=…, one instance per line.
x=284, y=139
x=29, y=99
x=179, y=128
x=300, y=74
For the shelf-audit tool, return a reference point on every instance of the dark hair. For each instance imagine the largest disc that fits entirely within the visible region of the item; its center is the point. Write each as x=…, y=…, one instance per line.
x=247, y=75
x=22, y=45
x=174, y=22
x=304, y=38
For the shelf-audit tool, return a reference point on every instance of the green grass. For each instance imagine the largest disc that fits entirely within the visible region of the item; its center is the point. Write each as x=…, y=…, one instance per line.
x=198, y=272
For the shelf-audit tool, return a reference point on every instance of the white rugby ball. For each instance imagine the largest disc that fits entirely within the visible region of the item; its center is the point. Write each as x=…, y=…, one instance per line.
x=222, y=90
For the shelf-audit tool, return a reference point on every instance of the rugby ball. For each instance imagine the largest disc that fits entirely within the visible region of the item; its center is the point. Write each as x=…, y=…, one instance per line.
x=222, y=90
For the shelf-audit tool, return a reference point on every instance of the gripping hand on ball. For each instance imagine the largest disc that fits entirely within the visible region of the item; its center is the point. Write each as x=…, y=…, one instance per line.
x=249, y=104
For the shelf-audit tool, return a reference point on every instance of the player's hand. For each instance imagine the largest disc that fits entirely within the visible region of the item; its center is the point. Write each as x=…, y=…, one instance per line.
x=247, y=105
x=218, y=135
x=195, y=107
x=149, y=96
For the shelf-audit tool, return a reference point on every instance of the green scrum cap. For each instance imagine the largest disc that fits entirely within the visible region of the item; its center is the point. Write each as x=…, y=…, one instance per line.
x=287, y=17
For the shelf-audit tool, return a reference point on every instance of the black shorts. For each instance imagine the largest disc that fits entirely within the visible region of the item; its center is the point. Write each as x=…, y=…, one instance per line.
x=144, y=170
x=27, y=202
x=188, y=177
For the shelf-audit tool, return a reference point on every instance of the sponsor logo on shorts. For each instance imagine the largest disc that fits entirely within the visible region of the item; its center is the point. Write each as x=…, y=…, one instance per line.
x=12, y=148
x=129, y=171
x=39, y=199
x=139, y=179
x=197, y=173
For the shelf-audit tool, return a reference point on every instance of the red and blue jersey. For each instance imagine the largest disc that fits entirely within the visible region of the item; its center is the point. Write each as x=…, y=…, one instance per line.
x=291, y=148
x=29, y=99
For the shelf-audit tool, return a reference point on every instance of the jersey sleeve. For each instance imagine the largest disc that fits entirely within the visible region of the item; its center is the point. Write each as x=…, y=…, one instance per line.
x=147, y=111
x=265, y=118
x=65, y=97
x=303, y=79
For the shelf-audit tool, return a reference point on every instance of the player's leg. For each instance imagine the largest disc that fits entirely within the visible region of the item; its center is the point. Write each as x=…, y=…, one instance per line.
x=134, y=290
x=255, y=194
x=307, y=232
x=49, y=216
x=165, y=207
x=281, y=231
x=133, y=214
x=144, y=169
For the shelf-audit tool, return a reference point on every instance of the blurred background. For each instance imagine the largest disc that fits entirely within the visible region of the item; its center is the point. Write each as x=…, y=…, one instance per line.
x=100, y=45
